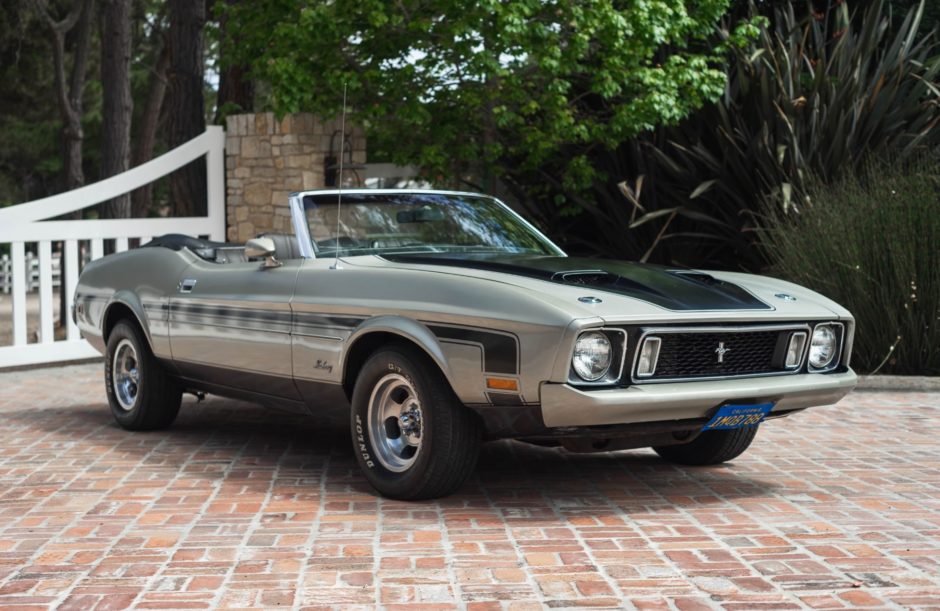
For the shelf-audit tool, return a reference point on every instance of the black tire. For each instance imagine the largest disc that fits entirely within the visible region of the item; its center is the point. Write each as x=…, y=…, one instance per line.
x=153, y=401
x=448, y=433
x=711, y=447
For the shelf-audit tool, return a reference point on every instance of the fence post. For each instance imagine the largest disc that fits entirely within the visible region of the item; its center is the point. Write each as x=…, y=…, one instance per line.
x=19, y=293
x=46, y=307
x=68, y=283
x=215, y=181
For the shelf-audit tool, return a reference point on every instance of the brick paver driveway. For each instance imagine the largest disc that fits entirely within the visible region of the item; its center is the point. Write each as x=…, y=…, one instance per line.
x=235, y=506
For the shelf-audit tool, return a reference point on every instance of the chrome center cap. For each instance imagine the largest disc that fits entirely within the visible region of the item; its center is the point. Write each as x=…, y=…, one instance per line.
x=410, y=422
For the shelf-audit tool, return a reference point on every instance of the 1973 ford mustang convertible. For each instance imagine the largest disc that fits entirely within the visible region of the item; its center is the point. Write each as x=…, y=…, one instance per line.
x=437, y=320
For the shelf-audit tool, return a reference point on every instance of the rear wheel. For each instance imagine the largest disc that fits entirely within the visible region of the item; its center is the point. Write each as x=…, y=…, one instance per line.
x=141, y=394
x=711, y=447
x=412, y=436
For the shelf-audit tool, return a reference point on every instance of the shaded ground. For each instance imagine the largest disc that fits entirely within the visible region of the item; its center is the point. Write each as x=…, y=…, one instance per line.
x=236, y=507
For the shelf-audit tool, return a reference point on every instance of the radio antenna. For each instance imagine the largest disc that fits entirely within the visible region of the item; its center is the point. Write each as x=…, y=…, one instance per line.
x=339, y=190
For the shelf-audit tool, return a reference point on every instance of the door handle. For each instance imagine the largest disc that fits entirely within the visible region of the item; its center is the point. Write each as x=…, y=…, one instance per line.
x=187, y=285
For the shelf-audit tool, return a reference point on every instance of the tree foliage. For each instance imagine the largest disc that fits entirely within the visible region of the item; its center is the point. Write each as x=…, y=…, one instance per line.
x=504, y=85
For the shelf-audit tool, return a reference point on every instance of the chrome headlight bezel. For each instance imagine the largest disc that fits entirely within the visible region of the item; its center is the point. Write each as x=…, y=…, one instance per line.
x=617, y=340
x=838, y=336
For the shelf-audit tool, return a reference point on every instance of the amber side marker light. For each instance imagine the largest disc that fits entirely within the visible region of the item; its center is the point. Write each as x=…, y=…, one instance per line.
x=502, y=384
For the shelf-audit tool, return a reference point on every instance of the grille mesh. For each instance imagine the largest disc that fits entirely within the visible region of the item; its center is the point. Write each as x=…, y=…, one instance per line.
x=695, y=354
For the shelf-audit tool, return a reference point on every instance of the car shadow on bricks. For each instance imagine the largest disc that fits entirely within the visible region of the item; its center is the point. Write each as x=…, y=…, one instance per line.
x=212, y=439
x=512, y=471
x=219, y=436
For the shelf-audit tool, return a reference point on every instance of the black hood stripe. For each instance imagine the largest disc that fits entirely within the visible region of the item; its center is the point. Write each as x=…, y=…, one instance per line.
x=672, y=289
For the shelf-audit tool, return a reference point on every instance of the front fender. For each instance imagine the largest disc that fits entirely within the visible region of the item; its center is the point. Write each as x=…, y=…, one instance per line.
x=406, y=328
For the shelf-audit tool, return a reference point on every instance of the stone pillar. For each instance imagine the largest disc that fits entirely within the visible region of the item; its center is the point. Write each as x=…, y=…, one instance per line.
x=266, y=159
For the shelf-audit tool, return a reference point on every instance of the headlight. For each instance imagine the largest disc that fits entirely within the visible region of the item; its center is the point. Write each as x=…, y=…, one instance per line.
x=824, y=347
x=592, y=356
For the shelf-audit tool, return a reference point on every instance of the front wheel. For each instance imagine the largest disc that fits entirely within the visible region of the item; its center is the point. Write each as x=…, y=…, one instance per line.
x=711, y=447
x=412, y=437
x=141, y=394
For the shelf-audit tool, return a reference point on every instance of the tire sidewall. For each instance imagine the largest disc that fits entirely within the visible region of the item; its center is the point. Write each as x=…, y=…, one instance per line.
x=123, y=331
x=711, y=447
x=378, y=366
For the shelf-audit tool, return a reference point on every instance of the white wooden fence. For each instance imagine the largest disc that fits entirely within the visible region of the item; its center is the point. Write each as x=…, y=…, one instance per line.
x=25, y=228
x=32, y=272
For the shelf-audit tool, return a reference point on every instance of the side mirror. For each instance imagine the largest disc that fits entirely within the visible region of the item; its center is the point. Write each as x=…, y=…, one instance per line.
x=262, y=247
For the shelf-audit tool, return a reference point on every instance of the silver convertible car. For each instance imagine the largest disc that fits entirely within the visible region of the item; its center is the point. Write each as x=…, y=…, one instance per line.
x=434, y=321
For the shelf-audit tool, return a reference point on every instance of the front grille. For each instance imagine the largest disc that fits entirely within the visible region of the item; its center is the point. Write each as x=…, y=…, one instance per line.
x=695, y=354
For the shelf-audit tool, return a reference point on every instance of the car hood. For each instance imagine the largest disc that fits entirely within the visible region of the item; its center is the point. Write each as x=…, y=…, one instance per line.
x=669, y=288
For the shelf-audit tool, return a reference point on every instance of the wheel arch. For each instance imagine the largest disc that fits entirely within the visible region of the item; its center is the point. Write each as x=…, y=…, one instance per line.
x=124, y=305
x=383, y=330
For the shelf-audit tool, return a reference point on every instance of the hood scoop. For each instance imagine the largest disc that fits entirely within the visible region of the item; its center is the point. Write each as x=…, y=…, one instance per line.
x=602, y=279
x=586, y=277
x=695, y=276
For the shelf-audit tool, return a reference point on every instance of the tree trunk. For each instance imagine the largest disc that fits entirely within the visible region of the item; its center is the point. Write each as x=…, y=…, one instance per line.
x=117, y=103
x=185, y=103
x=68, y=91
x=69, y=88
x=142, y=198
x=236, y=91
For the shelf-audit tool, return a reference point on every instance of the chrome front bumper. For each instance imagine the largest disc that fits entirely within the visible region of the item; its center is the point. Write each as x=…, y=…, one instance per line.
x=563, y=405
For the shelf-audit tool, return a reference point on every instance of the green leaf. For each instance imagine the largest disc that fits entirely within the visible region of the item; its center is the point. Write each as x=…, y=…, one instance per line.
x=703, y=187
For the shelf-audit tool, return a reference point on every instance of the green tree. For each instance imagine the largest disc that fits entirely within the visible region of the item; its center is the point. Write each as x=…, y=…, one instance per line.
x=493, y=87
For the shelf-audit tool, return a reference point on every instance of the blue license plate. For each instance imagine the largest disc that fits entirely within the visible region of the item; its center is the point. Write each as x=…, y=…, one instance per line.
x=738, y=416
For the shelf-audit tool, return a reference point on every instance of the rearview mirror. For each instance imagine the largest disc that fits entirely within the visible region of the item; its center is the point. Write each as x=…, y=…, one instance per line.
x=427, y=214
x=262, y=247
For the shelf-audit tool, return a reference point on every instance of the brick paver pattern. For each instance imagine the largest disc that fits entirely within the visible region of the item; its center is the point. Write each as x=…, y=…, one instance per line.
x=236, y=506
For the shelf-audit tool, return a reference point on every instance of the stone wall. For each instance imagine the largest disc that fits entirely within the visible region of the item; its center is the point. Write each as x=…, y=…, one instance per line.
x=265, y=159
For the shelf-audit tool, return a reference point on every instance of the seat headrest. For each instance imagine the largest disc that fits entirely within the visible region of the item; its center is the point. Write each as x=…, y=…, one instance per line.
x=285, y=245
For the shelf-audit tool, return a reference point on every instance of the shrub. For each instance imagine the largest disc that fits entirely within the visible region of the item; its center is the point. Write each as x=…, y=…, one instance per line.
x=872, y=243
x=813, y=95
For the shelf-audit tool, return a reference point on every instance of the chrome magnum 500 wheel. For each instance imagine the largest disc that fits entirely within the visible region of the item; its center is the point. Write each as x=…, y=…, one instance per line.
x=141, y=395
x=412, y=437
x=394, y=419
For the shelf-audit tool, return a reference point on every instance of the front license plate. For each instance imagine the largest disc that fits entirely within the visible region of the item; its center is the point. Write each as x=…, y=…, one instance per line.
x=738, y=416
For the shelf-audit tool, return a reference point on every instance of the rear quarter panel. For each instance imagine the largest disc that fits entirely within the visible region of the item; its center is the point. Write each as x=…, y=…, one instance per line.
x=141, y=279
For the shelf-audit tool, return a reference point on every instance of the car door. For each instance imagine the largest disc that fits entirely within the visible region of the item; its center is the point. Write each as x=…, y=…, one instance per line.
x=230, y=325
x=324, y=306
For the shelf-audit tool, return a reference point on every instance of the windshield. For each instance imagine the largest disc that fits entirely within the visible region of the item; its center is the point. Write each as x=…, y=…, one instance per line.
x=386, y=223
